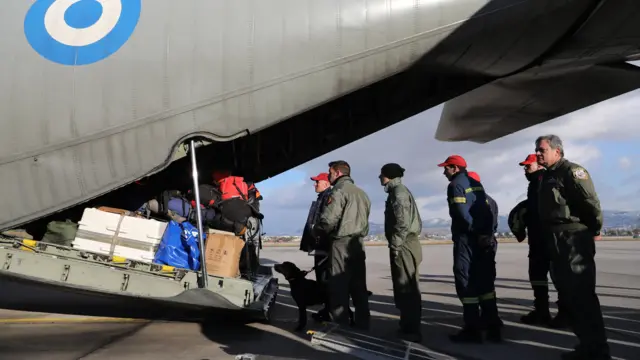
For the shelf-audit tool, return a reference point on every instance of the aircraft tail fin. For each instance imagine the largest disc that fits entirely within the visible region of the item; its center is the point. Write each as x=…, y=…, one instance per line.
x=510, y=104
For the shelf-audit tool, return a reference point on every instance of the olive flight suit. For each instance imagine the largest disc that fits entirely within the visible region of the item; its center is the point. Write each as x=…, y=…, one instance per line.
x=474, y=256
x=402, y=227
x=571, y=216
x=345, y=222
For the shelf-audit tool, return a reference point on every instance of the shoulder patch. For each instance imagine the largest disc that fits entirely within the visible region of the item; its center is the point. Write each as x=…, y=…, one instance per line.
x=580, y=173
x=329, y=199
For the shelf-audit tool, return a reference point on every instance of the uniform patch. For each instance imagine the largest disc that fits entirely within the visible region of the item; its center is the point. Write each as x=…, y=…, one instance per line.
x=580, y=173
x=329, y=200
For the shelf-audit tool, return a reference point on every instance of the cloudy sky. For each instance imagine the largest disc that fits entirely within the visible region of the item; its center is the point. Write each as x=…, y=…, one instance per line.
x=604, y=138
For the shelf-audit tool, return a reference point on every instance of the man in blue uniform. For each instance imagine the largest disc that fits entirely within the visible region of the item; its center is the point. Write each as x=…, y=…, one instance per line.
x=472, y=232
x=490, y=259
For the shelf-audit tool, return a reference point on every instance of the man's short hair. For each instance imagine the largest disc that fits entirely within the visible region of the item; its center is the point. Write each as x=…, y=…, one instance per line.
x=342, y=166
x=554, y=142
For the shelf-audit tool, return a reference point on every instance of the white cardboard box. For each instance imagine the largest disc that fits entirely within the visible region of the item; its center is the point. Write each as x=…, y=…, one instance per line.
x=127, y=236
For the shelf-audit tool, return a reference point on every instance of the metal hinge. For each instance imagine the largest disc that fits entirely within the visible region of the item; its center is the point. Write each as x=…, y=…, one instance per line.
x=65, y=272
x=125, y=282
x=7, y=262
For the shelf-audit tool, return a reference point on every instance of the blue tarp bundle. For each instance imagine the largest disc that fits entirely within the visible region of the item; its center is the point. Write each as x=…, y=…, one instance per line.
x=179, y=246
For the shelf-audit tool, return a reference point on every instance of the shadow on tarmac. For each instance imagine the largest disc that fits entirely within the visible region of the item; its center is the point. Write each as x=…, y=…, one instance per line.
x=440, y=318
x=442, y=315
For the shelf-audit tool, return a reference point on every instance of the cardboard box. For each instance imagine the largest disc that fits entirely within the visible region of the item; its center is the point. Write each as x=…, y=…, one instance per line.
x=222, y=253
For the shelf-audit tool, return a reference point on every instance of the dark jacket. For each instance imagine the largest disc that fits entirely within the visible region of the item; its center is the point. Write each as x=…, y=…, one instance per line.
x=568, y=199
x=494, y=211
x=532, y=217
x=309, y=242
x=468, y=206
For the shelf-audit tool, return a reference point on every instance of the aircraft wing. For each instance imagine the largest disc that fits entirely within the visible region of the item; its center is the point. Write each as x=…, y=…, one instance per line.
x=513, y=103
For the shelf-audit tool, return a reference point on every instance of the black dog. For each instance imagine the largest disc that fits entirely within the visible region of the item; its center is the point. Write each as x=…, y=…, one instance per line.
x=305, y=293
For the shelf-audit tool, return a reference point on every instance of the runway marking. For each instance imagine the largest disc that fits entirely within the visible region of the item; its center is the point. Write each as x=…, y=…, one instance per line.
x=78, y=320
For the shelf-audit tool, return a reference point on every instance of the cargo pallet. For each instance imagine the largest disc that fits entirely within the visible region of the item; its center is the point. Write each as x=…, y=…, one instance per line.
x=44, y=277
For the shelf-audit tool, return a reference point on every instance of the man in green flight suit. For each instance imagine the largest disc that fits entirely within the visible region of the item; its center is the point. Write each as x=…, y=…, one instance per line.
x=402, y=228
x=344, y=221
x=571, y=218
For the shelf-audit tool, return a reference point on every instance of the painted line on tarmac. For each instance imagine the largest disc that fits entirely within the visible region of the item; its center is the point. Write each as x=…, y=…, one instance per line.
x=77, y=320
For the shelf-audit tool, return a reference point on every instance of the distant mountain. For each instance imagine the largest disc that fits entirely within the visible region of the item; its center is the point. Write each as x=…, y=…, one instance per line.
x=621, y=219
x=612, y=219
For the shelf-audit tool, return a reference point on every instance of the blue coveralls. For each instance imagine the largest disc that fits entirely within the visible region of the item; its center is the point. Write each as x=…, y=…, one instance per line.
x=474, y=249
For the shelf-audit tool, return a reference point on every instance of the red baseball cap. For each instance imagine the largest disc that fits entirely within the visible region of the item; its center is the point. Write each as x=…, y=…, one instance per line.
x=474, y=175
x=456, y=160
x=321, y=176
x=531, y=158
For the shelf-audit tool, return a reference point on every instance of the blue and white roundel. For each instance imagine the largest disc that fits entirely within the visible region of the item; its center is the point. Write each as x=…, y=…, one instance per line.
x=80, y=32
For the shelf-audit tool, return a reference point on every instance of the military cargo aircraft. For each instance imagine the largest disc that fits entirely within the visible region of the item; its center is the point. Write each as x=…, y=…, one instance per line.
x=96, y=94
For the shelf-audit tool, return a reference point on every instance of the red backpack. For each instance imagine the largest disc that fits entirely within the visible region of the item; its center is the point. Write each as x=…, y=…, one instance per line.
x=234, y=187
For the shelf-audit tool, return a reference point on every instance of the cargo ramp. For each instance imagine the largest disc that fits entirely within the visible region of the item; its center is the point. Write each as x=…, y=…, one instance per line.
x=44, y=277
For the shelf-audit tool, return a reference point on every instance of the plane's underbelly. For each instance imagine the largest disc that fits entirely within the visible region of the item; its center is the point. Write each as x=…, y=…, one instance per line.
x=150, y=72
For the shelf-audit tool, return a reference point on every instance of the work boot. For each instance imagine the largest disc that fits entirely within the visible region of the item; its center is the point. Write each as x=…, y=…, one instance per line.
x=537, y=317
x=494, y=335
x=467, y=335
x=581, y=355
x=411, y=336
x=561, y=321
x=573, y=355
x=322, y=316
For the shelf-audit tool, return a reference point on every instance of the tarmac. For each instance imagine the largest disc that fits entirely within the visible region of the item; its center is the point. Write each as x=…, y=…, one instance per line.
x=62, y=337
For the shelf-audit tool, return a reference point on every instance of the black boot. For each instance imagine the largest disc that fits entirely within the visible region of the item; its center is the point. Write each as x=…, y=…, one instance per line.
x=490, y=320
x=561, y=321
x=539, y=316
x=467, y=335
x=494, y=334
x=411, y=336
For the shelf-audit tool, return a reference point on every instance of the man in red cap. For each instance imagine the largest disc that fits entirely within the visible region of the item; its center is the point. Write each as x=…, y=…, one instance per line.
x=319, y=243
x=490, y=262
x=472, y=234
x=539, y=259
x=493, y=205
x=309, y=242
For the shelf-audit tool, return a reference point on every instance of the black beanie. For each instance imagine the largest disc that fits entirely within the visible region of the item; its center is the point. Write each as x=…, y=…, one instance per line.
x=392, y=171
